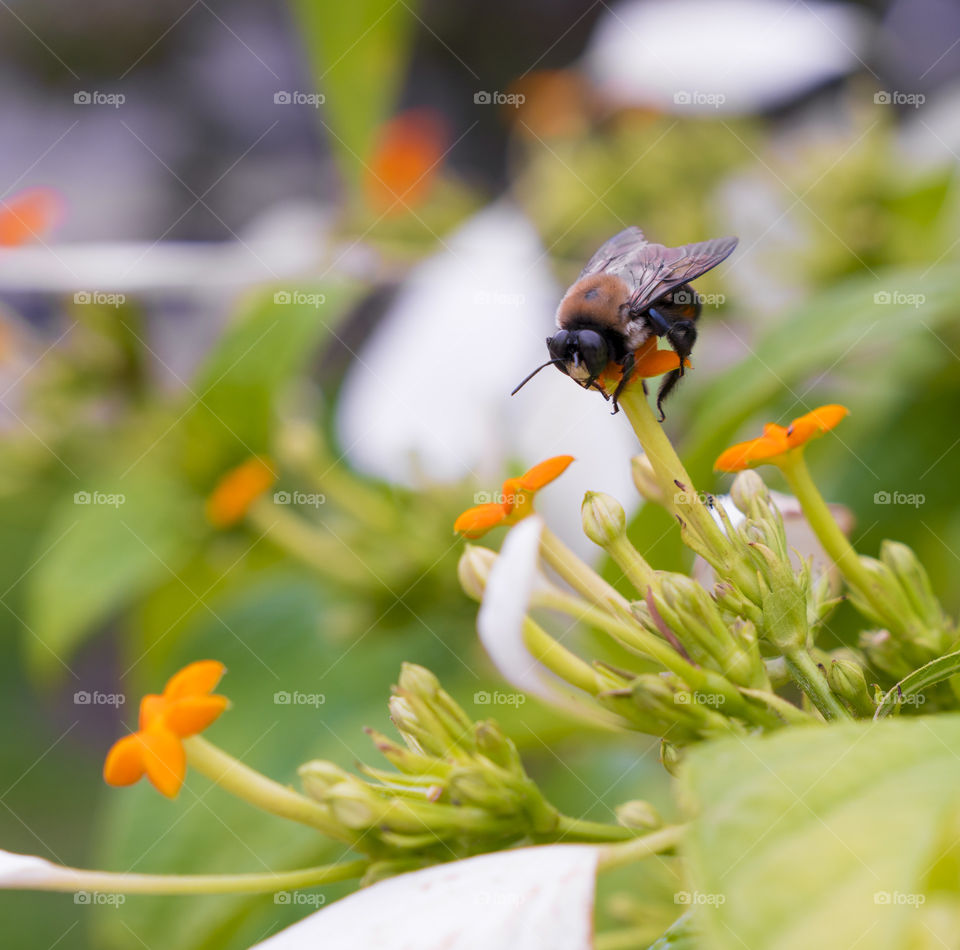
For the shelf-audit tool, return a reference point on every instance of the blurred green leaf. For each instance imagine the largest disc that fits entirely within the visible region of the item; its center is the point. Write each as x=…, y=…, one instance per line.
x=936, y=671
x=270, y=344
x=102, y=548
x=357, y=52
x=826, y=837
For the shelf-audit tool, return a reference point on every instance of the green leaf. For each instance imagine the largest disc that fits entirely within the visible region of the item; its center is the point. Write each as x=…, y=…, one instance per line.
x=358, y=51
x=825, y=837
x=936, y=671
x=233, y=396
x=102, y=548
x=680, y=935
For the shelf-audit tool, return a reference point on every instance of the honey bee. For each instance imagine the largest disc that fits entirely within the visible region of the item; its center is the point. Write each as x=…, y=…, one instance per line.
x=629, y=291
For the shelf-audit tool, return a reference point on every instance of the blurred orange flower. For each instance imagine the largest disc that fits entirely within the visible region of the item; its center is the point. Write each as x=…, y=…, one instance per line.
x=29, y=215
x=236, y=491
x=778, y=440
x=405, y=160
x=186, y=707
x=515, y=501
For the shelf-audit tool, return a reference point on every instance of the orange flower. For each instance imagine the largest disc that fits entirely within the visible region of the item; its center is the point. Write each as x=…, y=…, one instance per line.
x=649, y=362
x=236, y=491
x=29, y=215
x=515, y=502
x=405, y=160
x=185, y=708
x=778, y=440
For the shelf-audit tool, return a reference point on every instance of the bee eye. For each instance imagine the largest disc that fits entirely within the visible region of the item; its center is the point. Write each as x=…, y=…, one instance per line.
x=593, y=350
x=558, y=344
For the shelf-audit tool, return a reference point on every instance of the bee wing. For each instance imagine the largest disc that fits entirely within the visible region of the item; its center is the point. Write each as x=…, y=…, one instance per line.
x=615, y=252
x=654, y=270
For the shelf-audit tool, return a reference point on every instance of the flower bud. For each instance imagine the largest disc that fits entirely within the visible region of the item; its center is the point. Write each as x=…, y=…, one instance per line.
x=915, y=582
x=846, y=679
x=319, y=776
x=478, y=787
x=418, y=680
x=885, y=653
x=670, y=757
x=492, y=743
x=603, y=518
x=749, y=492
x=474, y=568
x=646, y=480
x=354, y=805
x=638, y=814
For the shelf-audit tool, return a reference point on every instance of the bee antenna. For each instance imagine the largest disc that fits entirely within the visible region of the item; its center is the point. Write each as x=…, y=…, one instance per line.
x=534, y=373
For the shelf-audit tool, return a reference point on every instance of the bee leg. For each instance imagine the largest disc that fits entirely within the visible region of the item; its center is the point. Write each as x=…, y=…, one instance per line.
x=681, y=336
x=626, y=369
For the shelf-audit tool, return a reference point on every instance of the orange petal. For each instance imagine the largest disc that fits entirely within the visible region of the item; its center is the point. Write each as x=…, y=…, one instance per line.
x=192, y=714
x=152, y=708
x=815, y=423
x=194, y=679
x=656, y=364
x=164, y=759
x=545, y=472
x=30, y=215
x=124, y=762
x=476, y=522
x=237, y=490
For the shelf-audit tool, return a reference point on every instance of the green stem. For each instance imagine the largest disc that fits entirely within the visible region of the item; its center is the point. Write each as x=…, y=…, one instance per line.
x=321, y=552
x=258, y=790
x=580, y=576
x=808, y=676
x=824, y=525
x=68, y=879
x=633, y=564
x=790, y=714
x=580, y=829
x=568, y=666
x=618, y=855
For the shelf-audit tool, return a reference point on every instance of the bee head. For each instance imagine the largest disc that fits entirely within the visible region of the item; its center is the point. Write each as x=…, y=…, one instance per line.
x=583, y=354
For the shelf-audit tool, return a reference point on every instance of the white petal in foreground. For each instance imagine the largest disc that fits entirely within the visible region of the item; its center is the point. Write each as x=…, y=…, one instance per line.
x=27, y=871
x=700, y=56
x=531, y=898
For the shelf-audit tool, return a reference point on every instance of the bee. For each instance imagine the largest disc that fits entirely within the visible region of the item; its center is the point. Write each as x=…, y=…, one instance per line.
x=629, y=291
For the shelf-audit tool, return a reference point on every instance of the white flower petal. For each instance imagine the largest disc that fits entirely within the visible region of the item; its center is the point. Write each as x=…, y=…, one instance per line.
x=535, y=898
x=739, y=56
x=30, y=871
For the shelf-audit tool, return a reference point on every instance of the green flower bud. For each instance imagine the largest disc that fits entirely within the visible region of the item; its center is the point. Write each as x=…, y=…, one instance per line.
x=846, y=679
x=645, y=479
x=492, y=743
x=885, y=653
x=603, y=517
x=473, y=570
x=404, y=759
x=915, y=582
x=670, y=757
x=481, y=788
x=354, y=805
x=749, y=492
x=319, y=776
x=638, y=814
x=889, y=603
x=418, y=680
